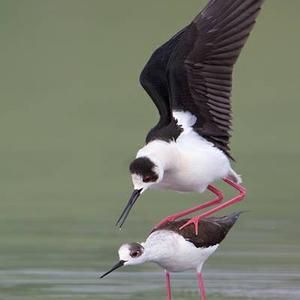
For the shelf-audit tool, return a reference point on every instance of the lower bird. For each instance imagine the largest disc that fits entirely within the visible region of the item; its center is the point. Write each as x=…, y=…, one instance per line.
x=178, y=250
x=189, y=79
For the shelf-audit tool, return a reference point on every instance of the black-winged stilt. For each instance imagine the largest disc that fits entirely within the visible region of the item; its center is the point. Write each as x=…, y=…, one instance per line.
x=189, y=79
x=178, y=250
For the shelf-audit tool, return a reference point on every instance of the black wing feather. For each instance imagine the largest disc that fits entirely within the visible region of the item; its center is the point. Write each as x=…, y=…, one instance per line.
x=154, y=80
x=212, y=230
x=193, y=70
x=217, y=36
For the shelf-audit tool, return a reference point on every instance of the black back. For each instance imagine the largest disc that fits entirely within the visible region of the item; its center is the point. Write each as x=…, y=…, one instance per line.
x=211, y=231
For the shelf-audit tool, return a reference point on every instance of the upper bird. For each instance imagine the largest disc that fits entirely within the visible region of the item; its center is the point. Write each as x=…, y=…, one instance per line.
x=189, y=79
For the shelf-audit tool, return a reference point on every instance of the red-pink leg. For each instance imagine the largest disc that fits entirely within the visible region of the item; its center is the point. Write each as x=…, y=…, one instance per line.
x=168, y=286
x=238, y=198
x=183, y=213
x=201, y=286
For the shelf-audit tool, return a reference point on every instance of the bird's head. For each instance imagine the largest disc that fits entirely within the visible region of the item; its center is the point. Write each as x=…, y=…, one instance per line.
x=145, y=173
x=129, y=254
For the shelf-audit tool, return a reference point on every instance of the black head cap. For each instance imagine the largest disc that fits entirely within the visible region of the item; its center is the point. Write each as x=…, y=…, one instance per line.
x=144, y=167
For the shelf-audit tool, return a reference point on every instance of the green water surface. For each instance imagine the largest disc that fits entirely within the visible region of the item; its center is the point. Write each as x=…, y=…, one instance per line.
x=72, y=116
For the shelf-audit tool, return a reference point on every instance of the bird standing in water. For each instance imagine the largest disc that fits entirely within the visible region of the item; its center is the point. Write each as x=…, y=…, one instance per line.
x=189, y=79
x=178, y=250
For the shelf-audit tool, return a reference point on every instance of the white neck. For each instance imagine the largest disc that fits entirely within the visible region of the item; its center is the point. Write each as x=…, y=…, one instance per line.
x=161, y=153
x=161, y=245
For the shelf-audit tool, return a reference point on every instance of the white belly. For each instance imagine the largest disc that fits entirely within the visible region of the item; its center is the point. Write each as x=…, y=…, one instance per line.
x=173, y=253
x=188, y=259
x=190, y=163
x=198, y=163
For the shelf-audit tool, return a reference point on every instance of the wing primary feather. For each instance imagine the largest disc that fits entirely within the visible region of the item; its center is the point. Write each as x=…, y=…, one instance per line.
x=193, y=70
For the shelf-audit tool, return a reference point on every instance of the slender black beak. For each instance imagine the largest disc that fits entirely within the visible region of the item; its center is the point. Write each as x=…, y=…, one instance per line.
x=116, y=266
x=128, y=207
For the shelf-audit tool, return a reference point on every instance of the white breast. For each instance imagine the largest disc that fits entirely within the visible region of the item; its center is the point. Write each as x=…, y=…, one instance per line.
x=190, y=163
x=173, y=253
x=197, y=162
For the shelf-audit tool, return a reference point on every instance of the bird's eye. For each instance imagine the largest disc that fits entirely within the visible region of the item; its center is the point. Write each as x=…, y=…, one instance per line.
x=147, y=179
x=135, y=253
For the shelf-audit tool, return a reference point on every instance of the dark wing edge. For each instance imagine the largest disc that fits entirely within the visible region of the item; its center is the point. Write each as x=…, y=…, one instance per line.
x=212, y=231
x=212, y=45
x=154, y=80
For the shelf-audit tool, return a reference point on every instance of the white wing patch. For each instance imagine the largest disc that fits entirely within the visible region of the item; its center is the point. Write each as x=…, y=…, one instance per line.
x=185, y=119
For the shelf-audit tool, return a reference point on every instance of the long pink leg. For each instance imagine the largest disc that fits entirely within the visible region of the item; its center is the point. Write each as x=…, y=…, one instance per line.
x=183, y=213
x=201, y=286
x=236, y=199
x=168, y=286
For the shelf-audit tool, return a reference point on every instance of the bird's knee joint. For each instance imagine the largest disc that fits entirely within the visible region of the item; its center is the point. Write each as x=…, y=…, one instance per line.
x=220, y=198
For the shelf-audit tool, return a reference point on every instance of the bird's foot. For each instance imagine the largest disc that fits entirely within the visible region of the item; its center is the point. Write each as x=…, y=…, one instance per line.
x=195, y=221
x=165, y=220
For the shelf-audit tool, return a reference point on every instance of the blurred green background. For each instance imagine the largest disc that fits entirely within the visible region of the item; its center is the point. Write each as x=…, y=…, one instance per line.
x=72, y=117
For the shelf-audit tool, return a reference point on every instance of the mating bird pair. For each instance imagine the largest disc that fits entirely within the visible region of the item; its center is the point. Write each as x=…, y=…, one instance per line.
x=189, y=79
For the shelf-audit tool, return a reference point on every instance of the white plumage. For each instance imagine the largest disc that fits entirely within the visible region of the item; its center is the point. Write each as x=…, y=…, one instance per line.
x=173, y=253
x=188, y=164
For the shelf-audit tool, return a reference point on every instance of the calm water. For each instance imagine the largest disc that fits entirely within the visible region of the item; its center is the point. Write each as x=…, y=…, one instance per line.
x=71, y=118
x=58, y=284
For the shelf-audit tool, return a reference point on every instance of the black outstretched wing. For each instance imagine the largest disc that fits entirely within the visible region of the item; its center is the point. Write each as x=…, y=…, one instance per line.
x=154, y=80
x=193, y=71
x=211, y=231
x=200, y=68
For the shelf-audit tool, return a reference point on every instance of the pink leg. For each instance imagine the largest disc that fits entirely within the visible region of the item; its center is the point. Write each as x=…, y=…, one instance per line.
x=238, y=198
x=201, y=286
x=183, y=213
x=168, y=286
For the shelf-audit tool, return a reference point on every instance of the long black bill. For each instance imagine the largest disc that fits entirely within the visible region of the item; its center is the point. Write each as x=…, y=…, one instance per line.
x=116, y=266
x=128, y=207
